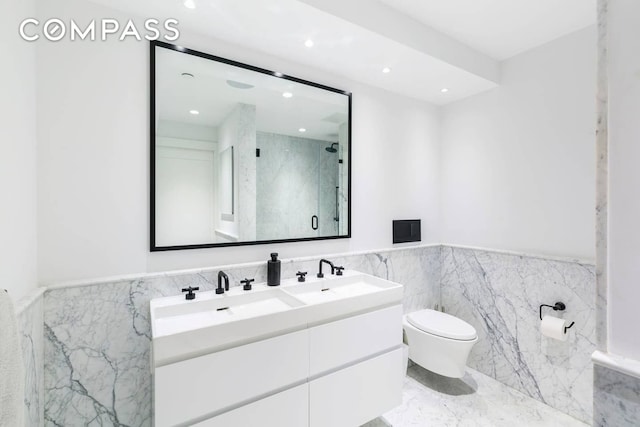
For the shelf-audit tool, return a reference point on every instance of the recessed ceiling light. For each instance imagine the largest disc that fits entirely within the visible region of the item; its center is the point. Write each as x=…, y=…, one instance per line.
x=287, y=94
x=386, y=70
x=194, y=112
x=302, y=130
x=190, y=4
x=444, y=90
x=308, y=43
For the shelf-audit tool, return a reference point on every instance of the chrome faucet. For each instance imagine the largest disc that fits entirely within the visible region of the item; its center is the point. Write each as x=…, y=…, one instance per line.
x=333, y=269
x=222, y=275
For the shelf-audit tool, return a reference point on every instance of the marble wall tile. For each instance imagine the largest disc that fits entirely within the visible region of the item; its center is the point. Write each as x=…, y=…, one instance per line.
x=96, y=352
x=499, y=294
x=616, y=398
x=246, y=174
x=97, y=337
x=602, y=178
x=296, y=179
x=30, y=325
x=328, y=191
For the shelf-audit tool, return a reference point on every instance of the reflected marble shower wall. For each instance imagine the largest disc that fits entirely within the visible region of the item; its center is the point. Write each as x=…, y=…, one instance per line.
x=238, y=130
x=97, y=336
x=30, y=325
x=296, y=179
x=499, y=294
x=328, y=188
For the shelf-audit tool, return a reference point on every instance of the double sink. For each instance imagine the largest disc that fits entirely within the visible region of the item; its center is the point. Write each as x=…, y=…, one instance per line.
x=183, y=329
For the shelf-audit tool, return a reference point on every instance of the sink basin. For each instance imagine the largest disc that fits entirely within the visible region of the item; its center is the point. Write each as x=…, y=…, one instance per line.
x=184, y=329
x=208, y=310
x=339, y=296
x=333, y=290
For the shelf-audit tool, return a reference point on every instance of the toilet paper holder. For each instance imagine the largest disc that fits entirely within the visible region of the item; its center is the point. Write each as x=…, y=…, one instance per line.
x=558, y=306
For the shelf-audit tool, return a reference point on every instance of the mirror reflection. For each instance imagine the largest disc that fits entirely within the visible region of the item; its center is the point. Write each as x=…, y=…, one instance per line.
x=242, y=156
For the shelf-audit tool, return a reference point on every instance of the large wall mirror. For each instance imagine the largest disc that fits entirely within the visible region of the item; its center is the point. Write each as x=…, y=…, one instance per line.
x=241, y=155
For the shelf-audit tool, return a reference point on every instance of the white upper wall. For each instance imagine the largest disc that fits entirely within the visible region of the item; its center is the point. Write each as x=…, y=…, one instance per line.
x=511, y=169
x=18, y=232
x=94, y=157
x=624, y=177
x=518, y=162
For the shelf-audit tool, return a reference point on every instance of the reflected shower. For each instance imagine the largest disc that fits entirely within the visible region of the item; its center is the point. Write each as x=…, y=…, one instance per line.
x=332, y=149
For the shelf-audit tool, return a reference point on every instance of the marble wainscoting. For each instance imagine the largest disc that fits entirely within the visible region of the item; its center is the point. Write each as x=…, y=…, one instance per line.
x=29, y=313
x=616, y=398
x=97, y=335
x=499, y=294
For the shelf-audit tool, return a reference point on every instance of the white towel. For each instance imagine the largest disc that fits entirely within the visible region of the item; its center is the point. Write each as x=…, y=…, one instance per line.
x=11, y=366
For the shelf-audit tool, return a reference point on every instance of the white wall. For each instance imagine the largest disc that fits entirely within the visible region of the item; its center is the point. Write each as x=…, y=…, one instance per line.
x=18, y=264
x=93, y=154
x=624, y=177
x=185, y=193
x=518, y=162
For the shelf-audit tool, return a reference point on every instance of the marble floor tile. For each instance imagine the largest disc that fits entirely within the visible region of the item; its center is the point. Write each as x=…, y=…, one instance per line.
x=475, y=400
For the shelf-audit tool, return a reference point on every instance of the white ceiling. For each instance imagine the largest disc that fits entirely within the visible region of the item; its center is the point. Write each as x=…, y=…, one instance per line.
x=318, y=111
x=425, y=42
x=501, y=28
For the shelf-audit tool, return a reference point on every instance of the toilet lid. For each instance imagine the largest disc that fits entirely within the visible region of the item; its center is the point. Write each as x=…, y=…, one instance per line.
x=442, y=324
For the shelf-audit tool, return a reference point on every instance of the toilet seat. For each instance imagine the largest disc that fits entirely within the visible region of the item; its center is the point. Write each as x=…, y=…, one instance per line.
x=442, y=324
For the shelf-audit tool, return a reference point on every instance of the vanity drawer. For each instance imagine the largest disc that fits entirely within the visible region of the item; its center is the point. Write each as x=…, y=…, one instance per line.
x=197, y=387
x=349, y=340
x=289, y=408
x=357, y=394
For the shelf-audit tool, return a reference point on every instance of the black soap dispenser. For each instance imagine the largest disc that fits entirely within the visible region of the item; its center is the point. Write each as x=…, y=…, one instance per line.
x=273, y=270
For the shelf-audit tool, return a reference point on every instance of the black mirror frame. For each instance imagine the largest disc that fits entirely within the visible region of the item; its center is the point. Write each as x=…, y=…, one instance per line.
x=152, y=135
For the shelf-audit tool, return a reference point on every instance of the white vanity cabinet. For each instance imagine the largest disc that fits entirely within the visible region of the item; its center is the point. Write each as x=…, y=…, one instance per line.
x=355, y=395
x=326, y=353
x=353, y=339
x=355, y=368
x=341, y=373
x=288, y=408
x=198, y=388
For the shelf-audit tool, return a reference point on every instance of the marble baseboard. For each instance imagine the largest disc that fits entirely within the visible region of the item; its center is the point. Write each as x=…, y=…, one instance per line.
x=97, y=337
x=499, y=294
x=30, y=325
x=616, y=398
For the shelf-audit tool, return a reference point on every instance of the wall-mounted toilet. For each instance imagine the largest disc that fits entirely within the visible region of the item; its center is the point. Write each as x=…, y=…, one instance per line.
x=439, y=342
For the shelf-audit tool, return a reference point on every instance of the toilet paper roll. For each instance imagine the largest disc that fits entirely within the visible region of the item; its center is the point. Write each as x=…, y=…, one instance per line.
x=553, y=327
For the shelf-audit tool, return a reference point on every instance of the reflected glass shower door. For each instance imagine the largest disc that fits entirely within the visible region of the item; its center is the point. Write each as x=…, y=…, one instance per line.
x=328, y=192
